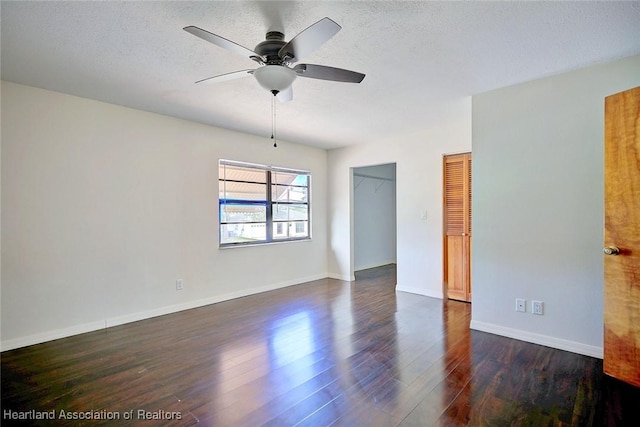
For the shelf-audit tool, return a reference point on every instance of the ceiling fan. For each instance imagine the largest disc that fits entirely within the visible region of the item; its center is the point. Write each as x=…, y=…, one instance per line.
x=277, y=56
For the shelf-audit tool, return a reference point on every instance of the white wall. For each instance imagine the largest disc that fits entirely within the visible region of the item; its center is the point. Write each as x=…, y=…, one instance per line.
x=104, y=207
x=418, y=160
x=538, y=205
x=374, y=203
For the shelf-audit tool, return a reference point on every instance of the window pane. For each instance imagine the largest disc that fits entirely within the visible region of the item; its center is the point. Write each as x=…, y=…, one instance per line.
x=242, y=213
x=289, y=178
x=236, y=173
x=289, y=212
x=243, y=233
x=285, y=193
x=241, y=191
x=290, y=230
x=280, y=230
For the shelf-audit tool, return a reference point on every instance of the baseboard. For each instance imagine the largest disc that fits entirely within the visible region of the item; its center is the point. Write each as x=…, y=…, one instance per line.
x=344, y=278
x=547, y=341
x=417, y=291
x=121, y=320
x=379, y=264
x=51, y=335
x=135, y=317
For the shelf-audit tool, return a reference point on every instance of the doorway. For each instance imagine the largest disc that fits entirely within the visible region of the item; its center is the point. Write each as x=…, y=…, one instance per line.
x=374, y=216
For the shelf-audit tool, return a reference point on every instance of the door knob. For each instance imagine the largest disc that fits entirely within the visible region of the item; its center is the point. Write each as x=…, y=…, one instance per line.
x=611, y=250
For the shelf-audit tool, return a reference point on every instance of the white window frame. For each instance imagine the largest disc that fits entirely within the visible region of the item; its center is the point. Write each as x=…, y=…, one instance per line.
x=270, y=223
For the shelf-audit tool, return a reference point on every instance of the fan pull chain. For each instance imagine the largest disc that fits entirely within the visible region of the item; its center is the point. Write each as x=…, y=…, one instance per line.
x=273, y=121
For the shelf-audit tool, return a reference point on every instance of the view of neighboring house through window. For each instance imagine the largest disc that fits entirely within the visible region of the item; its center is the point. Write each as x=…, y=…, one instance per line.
x=262, y=204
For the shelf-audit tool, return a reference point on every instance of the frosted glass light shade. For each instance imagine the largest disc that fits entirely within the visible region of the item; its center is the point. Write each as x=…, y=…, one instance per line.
x=274, y=77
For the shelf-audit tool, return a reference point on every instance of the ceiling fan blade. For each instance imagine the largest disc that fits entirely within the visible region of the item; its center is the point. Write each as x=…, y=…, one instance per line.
x=285, y=95
x=220, y=41
x=323, y=72
x=228, y=76
x=309, y=40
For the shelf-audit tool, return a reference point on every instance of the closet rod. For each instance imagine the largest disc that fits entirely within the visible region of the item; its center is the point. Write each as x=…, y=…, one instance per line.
x=372, y=177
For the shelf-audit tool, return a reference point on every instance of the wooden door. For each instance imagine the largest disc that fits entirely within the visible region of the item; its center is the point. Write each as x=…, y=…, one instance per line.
x=622, y=236
x=457, y=226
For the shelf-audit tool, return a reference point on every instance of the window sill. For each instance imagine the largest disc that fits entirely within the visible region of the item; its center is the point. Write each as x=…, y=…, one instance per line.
x=251, y=245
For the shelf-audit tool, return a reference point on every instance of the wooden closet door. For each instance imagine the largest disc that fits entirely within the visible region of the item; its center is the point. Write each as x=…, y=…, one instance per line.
x=622, y=237
x=457, y=226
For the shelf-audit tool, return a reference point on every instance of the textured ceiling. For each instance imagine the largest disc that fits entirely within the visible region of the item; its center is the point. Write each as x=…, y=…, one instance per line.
x=419, y=57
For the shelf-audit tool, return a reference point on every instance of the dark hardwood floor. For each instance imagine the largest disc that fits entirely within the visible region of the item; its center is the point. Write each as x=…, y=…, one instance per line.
x=318, y=354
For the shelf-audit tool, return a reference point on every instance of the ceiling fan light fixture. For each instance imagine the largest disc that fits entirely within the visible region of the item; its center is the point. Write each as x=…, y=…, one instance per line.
x=275, y=78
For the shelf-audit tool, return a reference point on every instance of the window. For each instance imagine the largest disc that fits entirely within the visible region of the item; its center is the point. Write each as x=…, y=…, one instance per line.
x=262, y=204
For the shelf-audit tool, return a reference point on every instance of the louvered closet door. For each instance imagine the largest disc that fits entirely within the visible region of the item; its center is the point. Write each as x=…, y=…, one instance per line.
x=457, y=226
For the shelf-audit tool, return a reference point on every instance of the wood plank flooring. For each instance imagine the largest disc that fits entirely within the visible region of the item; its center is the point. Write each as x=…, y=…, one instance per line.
x=324, y=353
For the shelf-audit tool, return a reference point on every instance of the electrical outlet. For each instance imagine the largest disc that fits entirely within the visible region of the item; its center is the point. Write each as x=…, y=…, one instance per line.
x=521, y=305
x=179, y=284
x=537, y=307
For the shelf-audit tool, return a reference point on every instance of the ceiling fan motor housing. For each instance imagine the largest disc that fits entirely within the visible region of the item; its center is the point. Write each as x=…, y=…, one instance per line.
x=269, y=48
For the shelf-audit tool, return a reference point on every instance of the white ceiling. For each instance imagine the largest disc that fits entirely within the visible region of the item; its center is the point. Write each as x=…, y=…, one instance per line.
x=419, y=57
